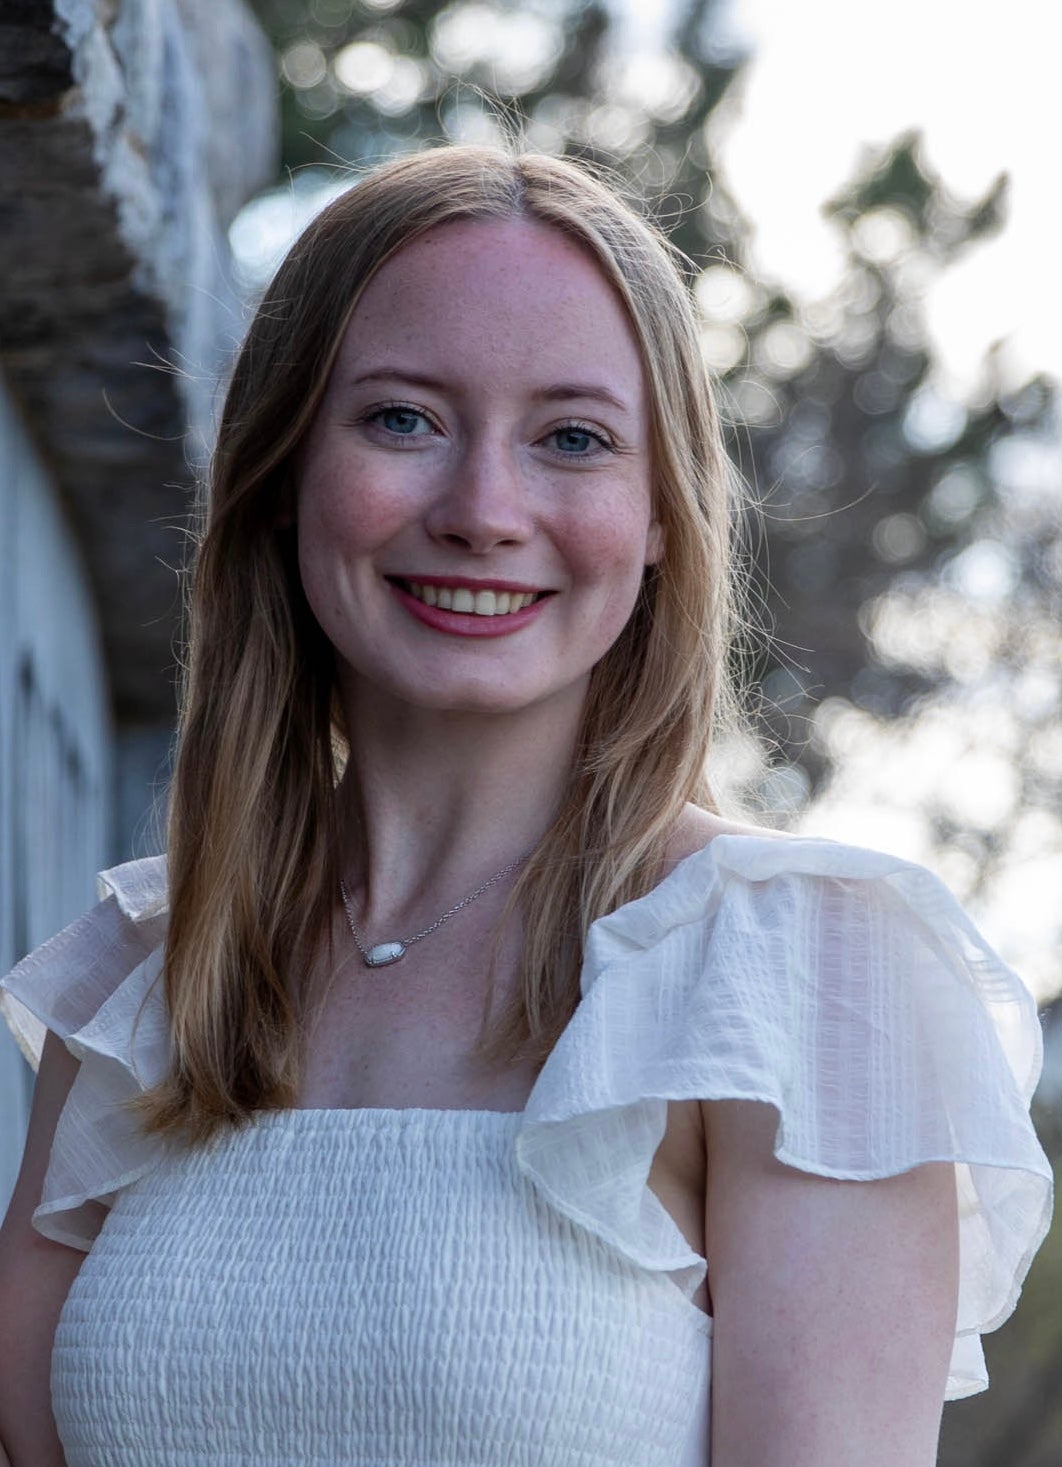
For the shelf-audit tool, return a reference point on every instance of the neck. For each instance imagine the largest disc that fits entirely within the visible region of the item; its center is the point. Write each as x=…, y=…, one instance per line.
x=432, y=804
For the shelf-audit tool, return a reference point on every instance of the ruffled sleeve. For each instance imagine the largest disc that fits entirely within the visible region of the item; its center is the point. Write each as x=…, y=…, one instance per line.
x=845, y=988
x=94, y=984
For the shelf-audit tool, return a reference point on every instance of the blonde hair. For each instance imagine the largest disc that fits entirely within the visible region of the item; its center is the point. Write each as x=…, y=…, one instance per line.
x=253, y=851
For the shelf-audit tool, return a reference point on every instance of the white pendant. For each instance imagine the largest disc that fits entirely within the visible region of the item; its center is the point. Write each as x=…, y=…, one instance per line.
x=384, y=953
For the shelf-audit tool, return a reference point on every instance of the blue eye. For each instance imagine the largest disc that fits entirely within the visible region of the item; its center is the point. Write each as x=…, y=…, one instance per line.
x=578, y=442
x=400, y=420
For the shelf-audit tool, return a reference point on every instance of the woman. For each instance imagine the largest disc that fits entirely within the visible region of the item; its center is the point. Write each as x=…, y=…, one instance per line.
x=458, y=636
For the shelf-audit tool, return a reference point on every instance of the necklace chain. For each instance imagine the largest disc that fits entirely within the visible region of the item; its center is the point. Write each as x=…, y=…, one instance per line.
x=384, y=953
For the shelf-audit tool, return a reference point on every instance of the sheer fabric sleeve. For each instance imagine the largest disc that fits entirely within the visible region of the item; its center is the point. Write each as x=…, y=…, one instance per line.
x=845, y=988
x=94, y=985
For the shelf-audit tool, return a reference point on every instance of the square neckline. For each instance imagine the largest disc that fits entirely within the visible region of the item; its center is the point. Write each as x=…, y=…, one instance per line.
x=680, y=866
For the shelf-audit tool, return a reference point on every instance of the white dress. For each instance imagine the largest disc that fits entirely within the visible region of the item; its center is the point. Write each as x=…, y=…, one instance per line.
x=433, y=1288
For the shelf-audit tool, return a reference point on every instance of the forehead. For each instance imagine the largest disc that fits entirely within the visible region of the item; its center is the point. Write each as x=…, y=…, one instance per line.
x=510, y=297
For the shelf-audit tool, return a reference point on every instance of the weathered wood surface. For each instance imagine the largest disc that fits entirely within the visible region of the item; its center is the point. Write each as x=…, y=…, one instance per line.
x=130, y=133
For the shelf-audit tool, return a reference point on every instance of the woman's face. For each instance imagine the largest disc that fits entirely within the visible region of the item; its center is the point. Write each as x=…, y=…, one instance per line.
x=474, y=495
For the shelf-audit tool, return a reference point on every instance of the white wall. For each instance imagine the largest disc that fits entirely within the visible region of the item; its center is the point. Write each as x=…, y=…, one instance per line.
x=55, y=739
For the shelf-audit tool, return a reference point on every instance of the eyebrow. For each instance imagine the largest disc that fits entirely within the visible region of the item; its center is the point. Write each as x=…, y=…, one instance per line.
x=555, y=392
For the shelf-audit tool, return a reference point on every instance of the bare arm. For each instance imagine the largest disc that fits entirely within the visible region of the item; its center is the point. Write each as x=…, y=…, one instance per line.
x=834, y=1305
x=35, y=1278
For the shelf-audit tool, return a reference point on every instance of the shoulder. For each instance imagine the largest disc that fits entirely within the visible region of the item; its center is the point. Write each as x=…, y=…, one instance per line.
x=772, y=875
x=861, y=1026
x=725, y=873
x=697, y=828
x=96, y=987
x=796, y=924
x=815, y=974
x=67, y=981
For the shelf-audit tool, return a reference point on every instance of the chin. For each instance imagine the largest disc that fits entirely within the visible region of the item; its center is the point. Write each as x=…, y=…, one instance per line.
x=484, y=701
x=495, y=699
x=483, y=692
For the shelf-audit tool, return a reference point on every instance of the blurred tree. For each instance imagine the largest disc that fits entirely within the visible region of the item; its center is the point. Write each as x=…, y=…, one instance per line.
x=905, y=548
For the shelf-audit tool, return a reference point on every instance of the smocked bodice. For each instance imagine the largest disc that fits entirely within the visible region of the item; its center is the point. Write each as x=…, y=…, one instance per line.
x=381, y=1288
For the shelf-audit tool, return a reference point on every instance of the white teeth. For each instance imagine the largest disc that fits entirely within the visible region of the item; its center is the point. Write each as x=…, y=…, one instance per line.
x=464, y=599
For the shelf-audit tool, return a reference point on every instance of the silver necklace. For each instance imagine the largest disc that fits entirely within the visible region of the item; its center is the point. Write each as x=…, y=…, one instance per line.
x=384, y=953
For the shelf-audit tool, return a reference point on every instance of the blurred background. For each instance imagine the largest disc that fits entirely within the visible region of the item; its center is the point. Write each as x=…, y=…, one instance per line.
x=867, y=196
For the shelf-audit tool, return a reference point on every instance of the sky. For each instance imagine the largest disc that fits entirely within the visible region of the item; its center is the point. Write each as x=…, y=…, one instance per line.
x=829, y=78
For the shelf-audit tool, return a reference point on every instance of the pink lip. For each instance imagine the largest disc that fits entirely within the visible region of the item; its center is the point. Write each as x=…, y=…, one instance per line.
x=466, y=623
x=472, y=582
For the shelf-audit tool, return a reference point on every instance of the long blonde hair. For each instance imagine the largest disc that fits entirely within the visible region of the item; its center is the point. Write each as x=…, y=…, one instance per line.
x=253, y=851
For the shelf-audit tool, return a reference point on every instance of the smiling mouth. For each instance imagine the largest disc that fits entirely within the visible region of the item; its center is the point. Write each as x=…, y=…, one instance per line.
x=469, y=599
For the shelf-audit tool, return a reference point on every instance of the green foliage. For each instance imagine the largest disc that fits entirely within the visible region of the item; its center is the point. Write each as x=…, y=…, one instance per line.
x=899, y=179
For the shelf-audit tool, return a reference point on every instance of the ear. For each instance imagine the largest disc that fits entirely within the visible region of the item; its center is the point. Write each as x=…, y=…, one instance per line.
x=655, y=542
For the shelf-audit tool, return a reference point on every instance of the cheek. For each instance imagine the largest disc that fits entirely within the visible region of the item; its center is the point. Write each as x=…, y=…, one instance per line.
x=319, y=535
x=331, y=525
x=344, y=506
x=611, y=546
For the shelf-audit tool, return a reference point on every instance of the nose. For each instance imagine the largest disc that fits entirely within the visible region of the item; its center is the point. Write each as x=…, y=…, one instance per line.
x=483, y=503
